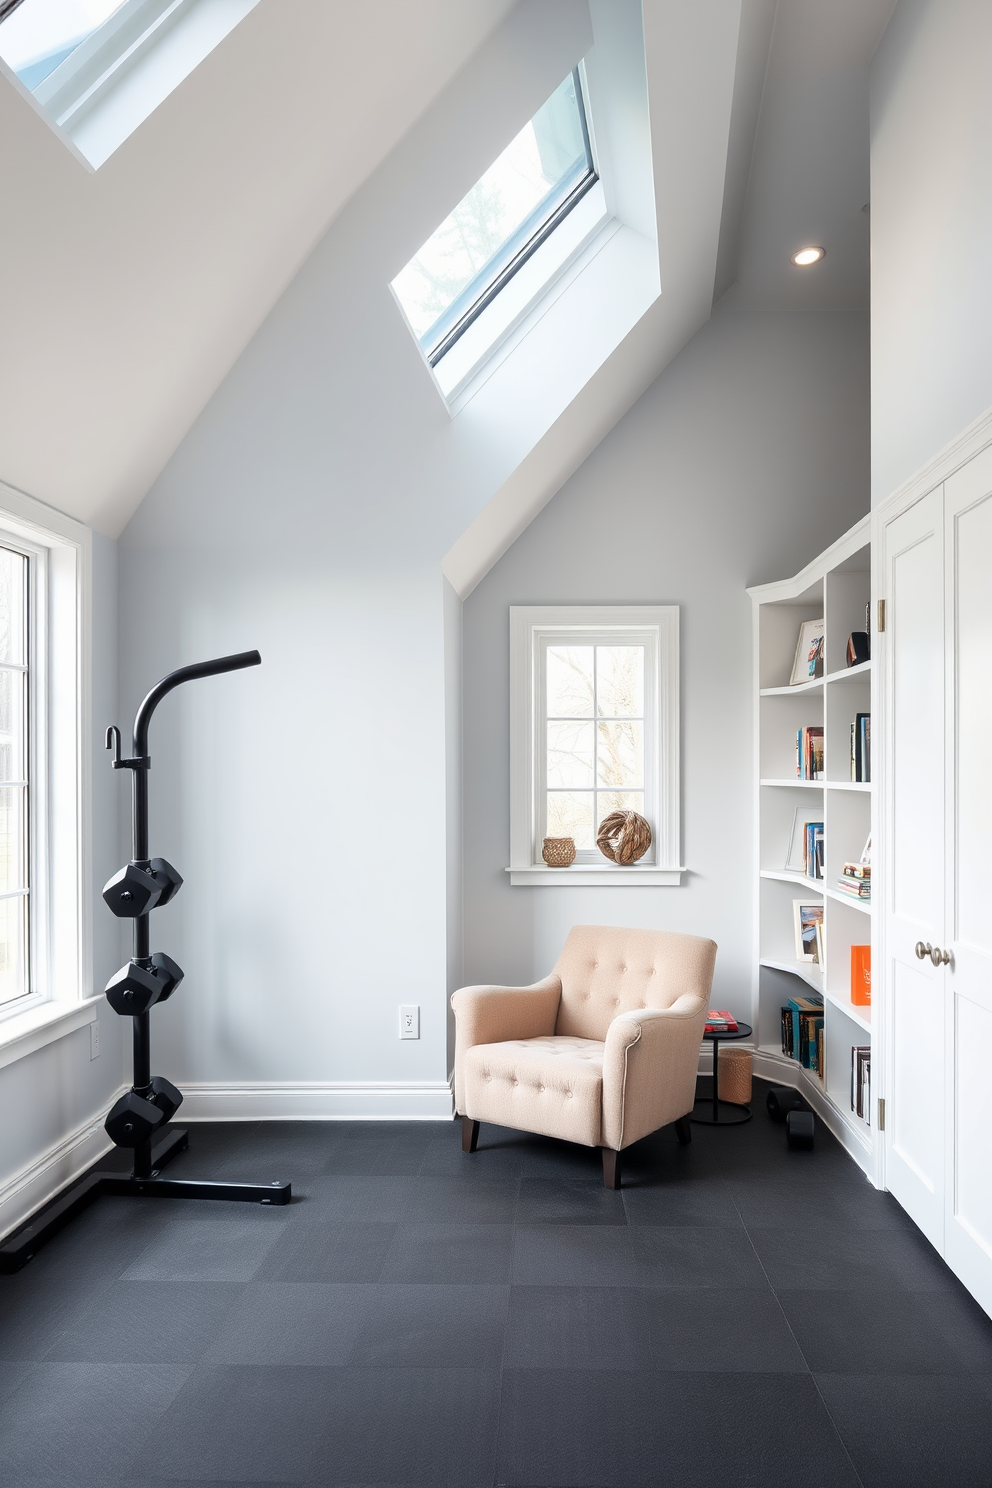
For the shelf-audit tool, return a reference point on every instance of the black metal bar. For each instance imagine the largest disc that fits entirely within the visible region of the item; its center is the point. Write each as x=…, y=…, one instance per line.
x=175, y=679
x=21, y=1244
x=192, y=1188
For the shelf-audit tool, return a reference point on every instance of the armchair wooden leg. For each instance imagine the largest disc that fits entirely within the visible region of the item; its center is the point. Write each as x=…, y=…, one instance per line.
x=611, y=1168
x=683, y=1130
x=470, y=1134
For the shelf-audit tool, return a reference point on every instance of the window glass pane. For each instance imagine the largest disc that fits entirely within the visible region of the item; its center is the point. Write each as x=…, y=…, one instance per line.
x=13, y=855
x=620, y=756
x=13, y=583
x=497, y=218
x=12, y=731
x=40, y=34
x=571, y=750
x=13, y=942
x=620, y=671
x=607, y=801
x=569, y=673
x=570, y=815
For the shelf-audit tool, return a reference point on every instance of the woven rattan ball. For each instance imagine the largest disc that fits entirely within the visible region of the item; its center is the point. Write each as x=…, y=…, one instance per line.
x=559, y=852
x=623, y=836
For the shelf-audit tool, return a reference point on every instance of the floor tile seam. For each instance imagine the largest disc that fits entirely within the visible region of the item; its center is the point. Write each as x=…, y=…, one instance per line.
x=802, y=1353
x=498, y=1436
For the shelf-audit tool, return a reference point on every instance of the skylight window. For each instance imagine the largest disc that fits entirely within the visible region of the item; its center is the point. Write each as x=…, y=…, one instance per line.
x=38, y=35
x=96, y=69
x=523, y=196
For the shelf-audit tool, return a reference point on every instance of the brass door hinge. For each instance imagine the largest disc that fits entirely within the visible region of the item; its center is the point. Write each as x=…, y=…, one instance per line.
x=880, y=624
x=881, y=1113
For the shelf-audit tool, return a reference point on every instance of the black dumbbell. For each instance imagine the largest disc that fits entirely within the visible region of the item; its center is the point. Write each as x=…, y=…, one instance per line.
x=134, y=989
x=136, y=890
x=799, y=1127
x=780, y=1100
x=168, y=973
x=132, y=1120
x=165, y=1095
x=170, y=879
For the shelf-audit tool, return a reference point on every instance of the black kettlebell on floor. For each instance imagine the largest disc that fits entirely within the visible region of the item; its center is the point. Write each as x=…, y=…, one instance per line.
x=784, y=1104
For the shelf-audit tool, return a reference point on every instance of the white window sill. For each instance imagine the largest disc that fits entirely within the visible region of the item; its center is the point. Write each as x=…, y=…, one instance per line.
x=25, y=1032
x=592, y=875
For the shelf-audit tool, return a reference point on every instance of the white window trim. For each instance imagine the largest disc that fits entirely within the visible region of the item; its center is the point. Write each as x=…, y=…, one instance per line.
x=61, y=999
x=529, y=627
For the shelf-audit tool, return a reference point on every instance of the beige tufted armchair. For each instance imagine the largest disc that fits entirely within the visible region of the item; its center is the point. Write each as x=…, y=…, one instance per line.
x=603, y=1051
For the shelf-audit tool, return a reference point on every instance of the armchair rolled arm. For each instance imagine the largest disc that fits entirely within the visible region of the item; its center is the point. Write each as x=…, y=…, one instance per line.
x=490, y=1015
x=650, y=1061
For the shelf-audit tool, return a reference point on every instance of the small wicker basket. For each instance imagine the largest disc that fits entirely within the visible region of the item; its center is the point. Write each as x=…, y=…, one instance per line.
x=735, y=1076
x=558, y=852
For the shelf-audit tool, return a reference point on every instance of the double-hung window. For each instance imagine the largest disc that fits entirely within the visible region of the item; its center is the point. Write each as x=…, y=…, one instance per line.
x=16, y=685
x=594, y=730
x=44, y=579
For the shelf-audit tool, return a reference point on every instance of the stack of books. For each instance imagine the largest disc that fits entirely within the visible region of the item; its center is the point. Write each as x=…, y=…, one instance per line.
x=861, y=1083
x=809, y=752
x=802, y=1031
x=855, y=881
x=861, y=748
x=720, y=1021
x=813, y=850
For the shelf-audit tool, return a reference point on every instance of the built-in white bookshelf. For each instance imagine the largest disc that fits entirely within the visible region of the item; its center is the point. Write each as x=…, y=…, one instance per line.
x=837, y=588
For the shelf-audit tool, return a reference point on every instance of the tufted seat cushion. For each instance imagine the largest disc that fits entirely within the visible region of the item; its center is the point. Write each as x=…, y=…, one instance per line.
x=549, y=1085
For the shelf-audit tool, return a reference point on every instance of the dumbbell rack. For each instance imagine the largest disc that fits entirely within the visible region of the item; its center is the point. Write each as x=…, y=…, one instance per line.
x=135, y=1120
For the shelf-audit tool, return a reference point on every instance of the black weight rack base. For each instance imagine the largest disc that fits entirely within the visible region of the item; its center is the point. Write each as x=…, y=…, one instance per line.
x=21, y=1244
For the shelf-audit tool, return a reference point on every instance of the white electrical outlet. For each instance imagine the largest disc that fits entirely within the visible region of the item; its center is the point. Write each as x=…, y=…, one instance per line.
x=95, y=1039
x=409, y=1022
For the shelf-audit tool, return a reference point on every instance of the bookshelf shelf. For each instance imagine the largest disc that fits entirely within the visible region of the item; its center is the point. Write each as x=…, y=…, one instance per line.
x=807, y=971
x=860, y=1016
x=836, y=587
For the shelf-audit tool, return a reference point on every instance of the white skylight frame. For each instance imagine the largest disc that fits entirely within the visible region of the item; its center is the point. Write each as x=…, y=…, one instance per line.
x=108, y=85
x=522, y=278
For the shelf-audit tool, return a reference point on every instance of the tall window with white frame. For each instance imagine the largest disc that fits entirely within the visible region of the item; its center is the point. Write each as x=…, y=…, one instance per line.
x=594, y=710
x=593, y=737
x=15, y=784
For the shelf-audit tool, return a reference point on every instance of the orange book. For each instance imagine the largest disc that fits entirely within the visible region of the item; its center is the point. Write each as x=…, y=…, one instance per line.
x=861, y=975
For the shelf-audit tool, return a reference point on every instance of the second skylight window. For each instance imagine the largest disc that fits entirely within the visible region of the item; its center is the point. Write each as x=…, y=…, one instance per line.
x=495, y=228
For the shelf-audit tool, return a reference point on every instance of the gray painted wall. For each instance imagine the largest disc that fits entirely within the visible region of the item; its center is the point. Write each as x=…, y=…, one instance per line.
x=746, y=458
x=931, y=217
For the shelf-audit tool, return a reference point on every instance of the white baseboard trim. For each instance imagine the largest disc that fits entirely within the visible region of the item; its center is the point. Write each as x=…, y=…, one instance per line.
x=343, y=1100
x=33, y=1186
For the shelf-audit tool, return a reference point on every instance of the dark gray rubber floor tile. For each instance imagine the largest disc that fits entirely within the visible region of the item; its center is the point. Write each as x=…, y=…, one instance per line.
x=315, y=1250
x=434, y=1326
x=226, y=1250
x=259, y=1423
x=586, y=1429
x=573, y=1255
x=837, y=1257
x=460, y=1203
x=913, y=1431
x=681, y=1201
x=293, y=1323
x=869, y=1332
x=449, y=1253
x=706, y=1329
x=409, y=1428
x=579, y=1327
x=684, y=1256
x=179, y=1319
x=582, y=1201
x=80, y=1422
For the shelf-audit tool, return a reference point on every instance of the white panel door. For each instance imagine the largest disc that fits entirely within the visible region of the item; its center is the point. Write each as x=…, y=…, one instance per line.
x=912, y=877
x=968, y=919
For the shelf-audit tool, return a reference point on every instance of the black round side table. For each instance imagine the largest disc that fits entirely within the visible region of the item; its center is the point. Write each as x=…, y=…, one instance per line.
x=722, y=1113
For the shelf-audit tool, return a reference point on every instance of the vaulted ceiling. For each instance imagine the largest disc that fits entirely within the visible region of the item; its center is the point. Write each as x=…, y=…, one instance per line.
x=126, y=295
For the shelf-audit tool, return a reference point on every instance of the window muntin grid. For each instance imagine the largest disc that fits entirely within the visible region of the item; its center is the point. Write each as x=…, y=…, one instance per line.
x=596, y=746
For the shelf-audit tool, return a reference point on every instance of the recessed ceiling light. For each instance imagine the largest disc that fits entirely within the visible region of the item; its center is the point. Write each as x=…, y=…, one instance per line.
x=807, y=256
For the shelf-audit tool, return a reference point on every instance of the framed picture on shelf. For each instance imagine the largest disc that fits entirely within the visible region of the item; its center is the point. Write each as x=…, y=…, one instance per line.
x=809, y=653
x=807, y=917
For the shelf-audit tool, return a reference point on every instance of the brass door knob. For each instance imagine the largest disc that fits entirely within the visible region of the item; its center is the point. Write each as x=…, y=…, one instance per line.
x=923, y=950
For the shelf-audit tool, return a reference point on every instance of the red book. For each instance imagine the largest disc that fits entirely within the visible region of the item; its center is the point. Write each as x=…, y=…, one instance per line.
x=720, y=1021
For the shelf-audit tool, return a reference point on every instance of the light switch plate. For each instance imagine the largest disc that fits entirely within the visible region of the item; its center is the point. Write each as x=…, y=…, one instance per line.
x=409, y=1022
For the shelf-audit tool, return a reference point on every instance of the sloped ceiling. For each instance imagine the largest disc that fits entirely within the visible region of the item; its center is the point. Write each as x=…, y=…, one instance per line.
x=126, y=296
